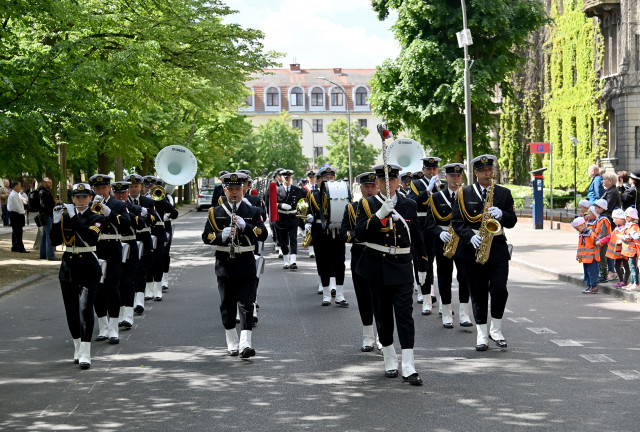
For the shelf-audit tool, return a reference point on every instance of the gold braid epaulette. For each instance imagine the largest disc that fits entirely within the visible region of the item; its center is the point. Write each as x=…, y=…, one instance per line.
x=212, y=220
x=352, y=214
x=313, y=201
x=365, y=207
x=463, y=209
x=435, y=212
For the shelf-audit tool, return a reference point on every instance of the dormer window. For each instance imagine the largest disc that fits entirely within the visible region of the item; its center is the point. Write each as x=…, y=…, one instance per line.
x=273, y=97
x=361, y=96
x=296, y=97
x=317, y=97
x=337, y=98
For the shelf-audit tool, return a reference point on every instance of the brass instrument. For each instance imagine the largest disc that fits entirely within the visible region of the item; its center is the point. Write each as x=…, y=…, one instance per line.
x=303, y=208
x=157, y=193
x=488, y=228
x=234, y=228
x=98, y=207
x=450, y=247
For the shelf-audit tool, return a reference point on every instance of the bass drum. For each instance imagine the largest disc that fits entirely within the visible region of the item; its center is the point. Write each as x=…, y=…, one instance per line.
x=335, y=196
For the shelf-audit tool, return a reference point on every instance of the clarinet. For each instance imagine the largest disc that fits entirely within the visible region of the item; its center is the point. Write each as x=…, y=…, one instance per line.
x=234, y=227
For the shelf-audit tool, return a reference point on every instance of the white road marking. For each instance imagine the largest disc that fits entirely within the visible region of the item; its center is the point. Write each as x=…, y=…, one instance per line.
x=519, y=320
x=627, y=374
x=541, y=330
x=597, y=358
x=566, y=342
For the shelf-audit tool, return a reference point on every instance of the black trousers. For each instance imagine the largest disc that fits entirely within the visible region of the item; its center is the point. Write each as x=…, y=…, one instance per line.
x=329, y=257
x=429, y=245
x=363, y=296
x=490, y=278
x=288, y=238
x=142, y=270
x=108, y=296
x=166, y=258
x=154, y=273
x=393, y=300
x=128, y=276
x=445, y=276
x=237, y=294
x=78, y=305
x=17, y=224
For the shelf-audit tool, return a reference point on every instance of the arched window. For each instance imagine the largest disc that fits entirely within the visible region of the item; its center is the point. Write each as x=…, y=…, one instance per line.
x=337, y=97
x=361, y=96
x=273, y=97
x=296, y=97
x=317, y=97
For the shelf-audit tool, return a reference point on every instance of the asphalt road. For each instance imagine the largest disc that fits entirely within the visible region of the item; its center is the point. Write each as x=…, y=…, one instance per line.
x=572, y=362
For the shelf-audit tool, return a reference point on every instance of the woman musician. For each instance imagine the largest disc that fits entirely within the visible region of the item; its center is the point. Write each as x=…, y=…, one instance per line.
x=78, y=227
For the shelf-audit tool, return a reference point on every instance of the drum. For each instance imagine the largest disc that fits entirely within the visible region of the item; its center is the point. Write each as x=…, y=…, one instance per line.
x=335, y=197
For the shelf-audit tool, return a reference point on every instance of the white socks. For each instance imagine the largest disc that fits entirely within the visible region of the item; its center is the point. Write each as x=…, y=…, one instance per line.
x=157, y=290
x=390, y=358
x=245, y=339
x=103, y=326
x=483, y=337
x=339, y=296
x=76, y=350
x=148, y=290
x=408, y=367
x=463, y=313
x=232, y=339
x=496, y=329
x=84, y=355
x=368, y=337
x=447, y=317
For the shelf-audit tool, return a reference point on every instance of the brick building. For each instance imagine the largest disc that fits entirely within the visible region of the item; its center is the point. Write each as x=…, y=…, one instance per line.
x=312, y=102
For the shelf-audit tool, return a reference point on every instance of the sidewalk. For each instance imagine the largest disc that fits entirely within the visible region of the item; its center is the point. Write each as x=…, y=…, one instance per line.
x=553, y=253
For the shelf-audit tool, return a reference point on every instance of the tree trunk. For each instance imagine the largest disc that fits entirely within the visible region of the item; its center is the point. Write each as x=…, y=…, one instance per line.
x=103, y=163
x=118, y=165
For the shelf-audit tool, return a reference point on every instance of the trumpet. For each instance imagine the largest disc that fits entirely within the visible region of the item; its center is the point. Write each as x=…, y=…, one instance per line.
x=98, y=207
x=157, y=193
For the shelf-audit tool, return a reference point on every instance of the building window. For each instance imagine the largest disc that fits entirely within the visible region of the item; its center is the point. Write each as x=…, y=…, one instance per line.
x=273, y=97
x=317, y=151
x=297, y=97
x=317, y=97
x=317, y=125
x=249, y=100
x=297, y=124
x=362, y=123
x=337, y=98
x=637, y=52
x=637, y=141
x=361, y=96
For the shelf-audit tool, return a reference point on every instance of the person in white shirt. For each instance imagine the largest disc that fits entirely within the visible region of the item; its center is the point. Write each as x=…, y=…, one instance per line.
x=15, y=205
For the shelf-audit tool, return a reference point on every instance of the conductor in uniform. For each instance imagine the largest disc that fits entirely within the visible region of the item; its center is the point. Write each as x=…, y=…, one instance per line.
x=489, y=278
x=234, y=228
x=287, y=223
x=394, y=245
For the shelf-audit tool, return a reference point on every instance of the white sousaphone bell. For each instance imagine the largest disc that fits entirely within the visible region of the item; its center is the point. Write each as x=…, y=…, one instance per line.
x=406, y=153
x=176, y=165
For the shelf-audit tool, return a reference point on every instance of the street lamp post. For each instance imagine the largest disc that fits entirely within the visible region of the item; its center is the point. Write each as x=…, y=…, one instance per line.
x=346, y=100
x=313, y=140
x=464, y=40
x=575, y=143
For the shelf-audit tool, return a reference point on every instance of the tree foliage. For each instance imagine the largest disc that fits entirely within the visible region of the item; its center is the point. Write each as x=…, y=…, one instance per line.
x=363, y=155
x=422, y=90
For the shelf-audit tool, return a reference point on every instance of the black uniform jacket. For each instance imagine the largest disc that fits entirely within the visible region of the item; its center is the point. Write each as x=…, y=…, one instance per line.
x=287, y=218
x=348, y=231
x=467, y=216
x=420, y=195
x=383, y=268
x=117, y=222
x=150, y=221
x=243, y=265
x=80, y=231
x=439, y=215
x=256, y=201
x=314, y=199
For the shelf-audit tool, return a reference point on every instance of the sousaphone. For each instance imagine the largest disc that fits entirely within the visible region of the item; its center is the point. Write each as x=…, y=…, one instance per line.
x=176, y=165
x=406, y=153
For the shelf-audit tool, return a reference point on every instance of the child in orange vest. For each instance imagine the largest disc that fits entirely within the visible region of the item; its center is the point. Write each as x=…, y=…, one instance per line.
x=614, y=247
x=630, y=246
x=588, y=254
x=603, y=229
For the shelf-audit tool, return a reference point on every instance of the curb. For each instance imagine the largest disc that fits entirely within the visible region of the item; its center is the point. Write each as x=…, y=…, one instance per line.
x=632, y=297
x=24, y=282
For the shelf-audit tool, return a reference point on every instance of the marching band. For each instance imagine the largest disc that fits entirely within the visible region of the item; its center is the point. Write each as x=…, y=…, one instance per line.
x=117, y=238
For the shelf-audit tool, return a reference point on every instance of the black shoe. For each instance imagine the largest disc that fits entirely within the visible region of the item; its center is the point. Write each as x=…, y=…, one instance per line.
x=482, y=347
x=420, y=301
x=447, y=325
x=114, y=340
x=148, y=298
x=602, y=280
x=293, y=266
x=22, y=251
x=343, y=303
x=501, y=343
x=286, y=267
x=466, y=324
x=76, y=361
x=413, y=379
x=121, y=323
x=233, y=353
x=165, y=288
x=427, y=312
x=333, y=293
x=247, y=352
x=434, y=299
x=366, y=348
x=326, y=303
x=101, y=338
x=157, y=298
x=393, y=373
x=126, y=325
x=237, y=320
x=138, y=309
x=85, y=366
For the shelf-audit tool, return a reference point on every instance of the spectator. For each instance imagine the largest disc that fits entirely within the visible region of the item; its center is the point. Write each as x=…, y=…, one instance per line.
x=5, y=190
x=611, y=194
x=595, y=188
x=47, y=203
x=630, y=196
x=15, y=206
x=587, y=254
x=623, y=181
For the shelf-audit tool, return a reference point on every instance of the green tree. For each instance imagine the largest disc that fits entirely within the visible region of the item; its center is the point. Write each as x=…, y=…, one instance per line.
x=422, y=90
x=363, y=155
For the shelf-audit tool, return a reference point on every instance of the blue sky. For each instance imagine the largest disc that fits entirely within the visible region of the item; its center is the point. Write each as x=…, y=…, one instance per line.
x=320, y=33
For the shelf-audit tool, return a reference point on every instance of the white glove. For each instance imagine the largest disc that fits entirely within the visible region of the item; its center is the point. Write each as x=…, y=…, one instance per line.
x=396, y=216
x=495, y=212
x=432, y=183
x=240, y=222
x=422, y=277
x=476, y=240
x=97, y=198
x=445, y=236
x=71, y=209
x=285, y=206
x=386, y=208
x=307, y=227
x=106, y=211
x=57, y=215
x=144, y=212
x=309, y=218
x=226, y=233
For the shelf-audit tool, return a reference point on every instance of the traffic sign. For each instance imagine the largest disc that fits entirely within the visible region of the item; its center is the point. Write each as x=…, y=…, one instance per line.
x=540, y=147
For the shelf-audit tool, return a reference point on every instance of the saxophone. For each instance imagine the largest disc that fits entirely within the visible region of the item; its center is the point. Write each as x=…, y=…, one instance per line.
x=450, y=247
x=488, y=228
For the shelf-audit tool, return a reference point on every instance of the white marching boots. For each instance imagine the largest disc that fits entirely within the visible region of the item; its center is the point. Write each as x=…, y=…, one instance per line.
x=157, y=291
x=232, y=342
x=340, y=300
x=368, y=338
x=76, y=351
x=127, y=320
x=103, y=328
x=495, y=333
x=279, y=252
x=416, y=288
x=113, y=331
x=148, y=291
x=138, y=303
x=463, y=315
x=332, y=284
x=427, y=305
x=84, y=355
x=312, y=254
x=246, y=349
x=292, y=262
x=390, y=361
x=409, y=373
x=482, y=339
x=286, y=262
x=120, y=315
x=326, y=295
x=447, y=316
x=320, y=289
x=165, y=281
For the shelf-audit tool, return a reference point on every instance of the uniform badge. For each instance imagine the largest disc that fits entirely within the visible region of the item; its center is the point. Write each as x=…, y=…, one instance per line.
x=99, y=178
x=98, y=224
x=431, y=160
x=484, y=159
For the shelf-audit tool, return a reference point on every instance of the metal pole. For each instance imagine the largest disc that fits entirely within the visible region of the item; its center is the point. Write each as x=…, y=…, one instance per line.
x=467, y=100
x=551, y=182
x=575, y=179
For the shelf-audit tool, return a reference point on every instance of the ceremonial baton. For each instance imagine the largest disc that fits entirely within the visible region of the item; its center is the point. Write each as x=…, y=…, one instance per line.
x=384, y=134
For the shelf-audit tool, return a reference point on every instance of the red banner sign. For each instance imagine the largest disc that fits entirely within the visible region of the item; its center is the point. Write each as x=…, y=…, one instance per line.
x=540, y=147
